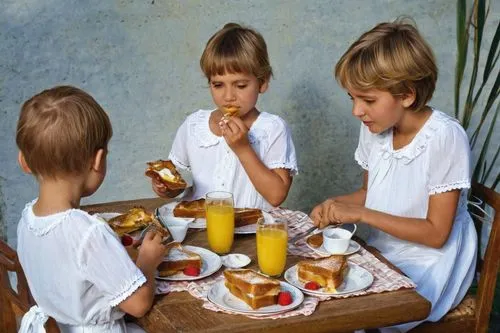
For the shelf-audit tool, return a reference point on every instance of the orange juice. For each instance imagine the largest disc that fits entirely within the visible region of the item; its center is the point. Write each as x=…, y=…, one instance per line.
x=271, y=250
x=220, y=227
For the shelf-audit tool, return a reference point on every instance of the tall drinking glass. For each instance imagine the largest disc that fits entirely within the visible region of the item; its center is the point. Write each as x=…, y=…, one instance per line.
x=220, y=221
x=272, y=242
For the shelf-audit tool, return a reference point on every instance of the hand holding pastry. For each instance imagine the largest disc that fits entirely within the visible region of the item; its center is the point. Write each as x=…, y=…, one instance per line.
x=235, y=133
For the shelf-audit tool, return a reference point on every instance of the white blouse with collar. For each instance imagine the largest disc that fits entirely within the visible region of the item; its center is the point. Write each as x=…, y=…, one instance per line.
x=214, y=165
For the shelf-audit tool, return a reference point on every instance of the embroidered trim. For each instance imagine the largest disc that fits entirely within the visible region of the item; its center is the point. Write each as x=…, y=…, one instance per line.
x=178, y=163
x=290, y=166
x=450, y=187
x=39, y=229
x=129, y=289
x=436, y=122
x=362, y=163
x=199, y=128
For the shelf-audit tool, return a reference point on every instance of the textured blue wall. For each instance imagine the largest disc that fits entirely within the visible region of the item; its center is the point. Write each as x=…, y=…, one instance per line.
x=139, y=59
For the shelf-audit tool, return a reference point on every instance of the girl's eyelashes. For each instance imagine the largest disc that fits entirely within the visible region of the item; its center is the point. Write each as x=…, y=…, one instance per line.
x=369, y=101
x=241, y=86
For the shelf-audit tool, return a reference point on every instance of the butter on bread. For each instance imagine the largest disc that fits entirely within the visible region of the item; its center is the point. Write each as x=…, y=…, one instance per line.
x=255, y=289
x=196, y=209
x=166, y=173
x=177, y=258
x=328, y=272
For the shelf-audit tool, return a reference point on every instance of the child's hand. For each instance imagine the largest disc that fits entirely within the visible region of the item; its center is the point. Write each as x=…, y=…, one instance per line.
x=162, y=191
x=334, y=212
x=152, y=251
x=235, y=133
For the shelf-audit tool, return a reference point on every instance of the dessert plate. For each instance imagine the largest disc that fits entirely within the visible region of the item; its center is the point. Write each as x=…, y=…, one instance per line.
x=220, y=296
x=357, y=278
x=210, y=263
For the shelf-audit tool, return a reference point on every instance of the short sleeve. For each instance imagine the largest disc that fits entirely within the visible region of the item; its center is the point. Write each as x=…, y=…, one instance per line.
x=179, y=154
x=281, y=151
x=364, y=146
x=449, y=159
x=106, y=264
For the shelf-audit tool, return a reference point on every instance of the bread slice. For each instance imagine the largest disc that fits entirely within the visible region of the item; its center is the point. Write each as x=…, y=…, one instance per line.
x=166, y=173
x=177, y=259
x=254, y=302
x=246, y=216
x=327, y=272
x=135, y=219
x=196, y=209
x=230, y=111
x=251, y=282
x=315, y=240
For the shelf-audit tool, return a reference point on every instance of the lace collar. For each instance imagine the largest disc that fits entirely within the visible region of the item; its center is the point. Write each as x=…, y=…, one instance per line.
x=42, y=225
x=419, y=143
x=199, y=127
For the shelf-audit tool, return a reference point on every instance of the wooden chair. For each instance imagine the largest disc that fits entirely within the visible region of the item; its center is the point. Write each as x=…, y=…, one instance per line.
x=14, y=304
x=473, y=313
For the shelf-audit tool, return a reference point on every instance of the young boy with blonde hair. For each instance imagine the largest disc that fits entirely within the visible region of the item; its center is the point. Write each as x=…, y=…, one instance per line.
x=78, y=271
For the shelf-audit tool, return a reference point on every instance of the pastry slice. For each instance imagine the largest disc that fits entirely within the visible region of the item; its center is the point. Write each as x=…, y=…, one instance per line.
x=166, y=173
x=328, y=272
x=255, y=289
x=177, y=259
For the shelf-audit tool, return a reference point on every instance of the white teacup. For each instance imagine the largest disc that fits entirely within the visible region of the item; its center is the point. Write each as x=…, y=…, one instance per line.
x=336, y=240
x=177, y=227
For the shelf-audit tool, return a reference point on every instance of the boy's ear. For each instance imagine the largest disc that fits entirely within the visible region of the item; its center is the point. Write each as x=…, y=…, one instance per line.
x=264, y=86
x=22, y=163
x=408, y=98
x=99, y=160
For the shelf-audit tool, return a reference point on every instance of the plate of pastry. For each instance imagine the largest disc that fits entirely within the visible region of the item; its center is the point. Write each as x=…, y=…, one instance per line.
x=328, y=276
x=248, y=292
x=186, y=263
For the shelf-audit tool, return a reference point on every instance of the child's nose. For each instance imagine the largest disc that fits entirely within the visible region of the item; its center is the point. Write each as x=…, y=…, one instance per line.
x=357, y=111
x=229, y=94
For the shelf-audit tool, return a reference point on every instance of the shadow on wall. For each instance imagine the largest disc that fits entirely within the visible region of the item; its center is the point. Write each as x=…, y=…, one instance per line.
x=3, y=222
x=324, y=141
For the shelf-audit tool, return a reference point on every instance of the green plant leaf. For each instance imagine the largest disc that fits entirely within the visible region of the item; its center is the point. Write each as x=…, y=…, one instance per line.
x=494, y=93
x=486, y=174
x=477, y=169
x=492, y=54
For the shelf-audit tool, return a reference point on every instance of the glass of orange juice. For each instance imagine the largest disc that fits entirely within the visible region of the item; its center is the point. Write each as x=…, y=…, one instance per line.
x=220, y=221
x=272, y=242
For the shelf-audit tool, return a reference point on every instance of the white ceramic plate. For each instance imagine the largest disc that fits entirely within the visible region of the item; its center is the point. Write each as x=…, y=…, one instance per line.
x=353, y=248
x=210, y=263
x=220, y=296
x=168, y=210
x=356, y=279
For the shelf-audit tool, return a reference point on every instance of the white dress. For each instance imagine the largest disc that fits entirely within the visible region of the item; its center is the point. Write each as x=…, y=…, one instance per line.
x=400, y=182
x=77, y=271
x=214, y=165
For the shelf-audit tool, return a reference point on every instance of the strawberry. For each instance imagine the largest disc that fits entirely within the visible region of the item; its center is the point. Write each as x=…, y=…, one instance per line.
x=285, y=298
x=127, y=240
x=191, y=271
x=311, y=285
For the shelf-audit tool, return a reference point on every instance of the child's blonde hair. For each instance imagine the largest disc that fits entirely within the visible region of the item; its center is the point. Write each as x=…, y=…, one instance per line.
x=236, y=49
x=393, y=57
x=60, y=130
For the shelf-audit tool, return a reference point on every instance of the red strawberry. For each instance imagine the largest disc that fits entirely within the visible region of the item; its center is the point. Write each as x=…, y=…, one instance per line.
x=127, y=240
x=191, y=271
x=285, y=298
x=311, y=285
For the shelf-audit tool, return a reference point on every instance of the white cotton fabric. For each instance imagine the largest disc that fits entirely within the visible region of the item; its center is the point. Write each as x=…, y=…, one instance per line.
x=214, y=165
x=400, y=183
x=77, y=271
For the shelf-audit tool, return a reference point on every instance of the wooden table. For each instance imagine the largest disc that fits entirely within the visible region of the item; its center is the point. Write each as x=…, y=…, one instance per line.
x=181, y=312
